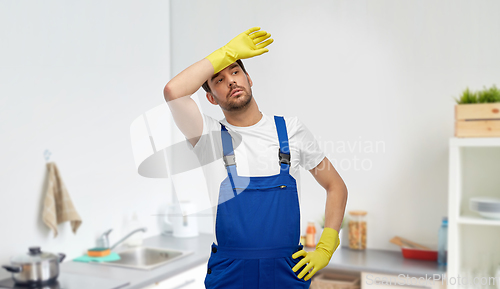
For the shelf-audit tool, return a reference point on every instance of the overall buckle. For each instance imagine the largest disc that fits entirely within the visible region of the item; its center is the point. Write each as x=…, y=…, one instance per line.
x=284, y=158
x=229, y=160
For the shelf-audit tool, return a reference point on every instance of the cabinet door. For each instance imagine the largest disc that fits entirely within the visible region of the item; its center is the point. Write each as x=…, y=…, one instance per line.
x=382, y=281
x=193, y=278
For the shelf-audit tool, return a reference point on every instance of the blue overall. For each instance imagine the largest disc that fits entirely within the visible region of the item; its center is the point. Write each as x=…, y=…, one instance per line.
x=257, y=226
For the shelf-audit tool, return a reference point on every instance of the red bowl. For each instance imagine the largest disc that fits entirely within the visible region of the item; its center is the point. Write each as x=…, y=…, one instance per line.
x=419, y=254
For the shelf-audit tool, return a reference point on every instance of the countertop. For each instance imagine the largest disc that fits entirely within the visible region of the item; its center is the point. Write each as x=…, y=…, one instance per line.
x=200, y=246
x=102, y=275
x=370, y=260
x=382, y=261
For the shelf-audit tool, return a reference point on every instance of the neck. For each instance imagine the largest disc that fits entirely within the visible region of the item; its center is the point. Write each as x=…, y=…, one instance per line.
x=248, y=116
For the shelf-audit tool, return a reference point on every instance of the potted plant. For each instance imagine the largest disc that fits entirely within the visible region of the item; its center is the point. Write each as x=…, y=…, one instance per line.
x=477, y=114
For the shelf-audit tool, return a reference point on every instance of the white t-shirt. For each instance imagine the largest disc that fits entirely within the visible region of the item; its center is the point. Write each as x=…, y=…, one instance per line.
x=256, y=150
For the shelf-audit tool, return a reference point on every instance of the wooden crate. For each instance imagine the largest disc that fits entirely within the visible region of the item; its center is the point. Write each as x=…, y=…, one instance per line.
x=335, y=280
x=477, y=120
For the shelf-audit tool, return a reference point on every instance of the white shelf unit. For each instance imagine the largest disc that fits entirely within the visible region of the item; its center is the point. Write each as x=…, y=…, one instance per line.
x=474, y=170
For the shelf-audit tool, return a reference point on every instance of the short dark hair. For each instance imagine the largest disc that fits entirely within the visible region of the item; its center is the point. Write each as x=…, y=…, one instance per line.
x=207, y=88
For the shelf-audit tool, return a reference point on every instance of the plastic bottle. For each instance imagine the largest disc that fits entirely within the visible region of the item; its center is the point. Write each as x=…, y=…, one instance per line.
x=443, y=242
x=311, y=235
x=137, y=237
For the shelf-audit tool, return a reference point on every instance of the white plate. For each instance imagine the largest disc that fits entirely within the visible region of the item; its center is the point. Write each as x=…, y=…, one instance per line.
x=486, y=200
x=487, y=207
x=485, y=204
x=494, y=209
x=495, y=216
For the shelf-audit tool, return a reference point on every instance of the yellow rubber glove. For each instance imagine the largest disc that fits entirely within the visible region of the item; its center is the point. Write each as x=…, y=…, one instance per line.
x=246, y=45
x=319, y=258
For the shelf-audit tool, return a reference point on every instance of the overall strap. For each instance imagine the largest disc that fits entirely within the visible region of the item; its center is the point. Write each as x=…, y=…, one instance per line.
x=228, y=156
x=284, y=151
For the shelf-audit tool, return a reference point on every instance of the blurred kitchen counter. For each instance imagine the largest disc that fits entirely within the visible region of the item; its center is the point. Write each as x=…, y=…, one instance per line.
x=381, y=261
x=344, y=259
x=200, y=246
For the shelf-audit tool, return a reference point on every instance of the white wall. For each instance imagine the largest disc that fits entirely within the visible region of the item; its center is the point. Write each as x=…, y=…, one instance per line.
x=378, y=74
x=73, y=77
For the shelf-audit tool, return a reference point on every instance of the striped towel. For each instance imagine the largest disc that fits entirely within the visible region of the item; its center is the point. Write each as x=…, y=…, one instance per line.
x=58, y=207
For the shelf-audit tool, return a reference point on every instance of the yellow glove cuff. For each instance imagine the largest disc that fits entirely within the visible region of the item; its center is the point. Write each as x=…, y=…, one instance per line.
x=329, y=241
x=220, y=59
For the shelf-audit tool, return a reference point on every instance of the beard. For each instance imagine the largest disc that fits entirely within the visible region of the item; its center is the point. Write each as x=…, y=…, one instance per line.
x=239, y=102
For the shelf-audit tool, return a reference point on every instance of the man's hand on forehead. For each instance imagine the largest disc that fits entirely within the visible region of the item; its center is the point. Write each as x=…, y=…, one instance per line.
x=248, y=44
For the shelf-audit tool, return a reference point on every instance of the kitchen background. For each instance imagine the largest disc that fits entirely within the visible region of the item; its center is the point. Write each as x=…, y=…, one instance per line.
x=373, y=80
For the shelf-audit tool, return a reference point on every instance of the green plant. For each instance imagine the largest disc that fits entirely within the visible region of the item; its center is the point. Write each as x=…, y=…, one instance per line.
x=467, y=97
x=489, y=95
x=321, y=222
x=483, y=96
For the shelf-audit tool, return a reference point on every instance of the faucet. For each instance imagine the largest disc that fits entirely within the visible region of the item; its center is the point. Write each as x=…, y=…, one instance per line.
x=104, y=240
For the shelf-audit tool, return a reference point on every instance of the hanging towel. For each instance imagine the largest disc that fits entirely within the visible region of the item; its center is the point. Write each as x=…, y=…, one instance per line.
x=58, y=207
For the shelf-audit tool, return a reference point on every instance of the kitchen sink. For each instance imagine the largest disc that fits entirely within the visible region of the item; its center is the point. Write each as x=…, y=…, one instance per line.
x=146, y=258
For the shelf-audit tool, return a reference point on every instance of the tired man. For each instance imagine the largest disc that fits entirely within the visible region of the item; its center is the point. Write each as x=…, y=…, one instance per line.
x=257, y=213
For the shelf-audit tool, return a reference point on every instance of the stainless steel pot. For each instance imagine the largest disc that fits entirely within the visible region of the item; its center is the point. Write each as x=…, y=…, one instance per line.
x=35, y=268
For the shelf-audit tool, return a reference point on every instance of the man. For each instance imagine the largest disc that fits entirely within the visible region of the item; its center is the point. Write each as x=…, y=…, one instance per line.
x=257, y=219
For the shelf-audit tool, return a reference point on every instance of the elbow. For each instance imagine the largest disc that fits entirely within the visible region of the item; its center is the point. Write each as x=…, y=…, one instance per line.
x=340, y=191
x=339, y=187
x=345, y=192
x=167, y=92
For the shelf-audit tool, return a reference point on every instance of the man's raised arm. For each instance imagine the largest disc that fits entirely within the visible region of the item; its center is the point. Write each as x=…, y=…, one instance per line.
x=178, y=91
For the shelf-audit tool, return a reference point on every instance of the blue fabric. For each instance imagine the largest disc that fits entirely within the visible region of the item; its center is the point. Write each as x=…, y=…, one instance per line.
x=227, y=149
x=257, y=228
x=227, y=142
x=283, y=139
x=282, y=134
